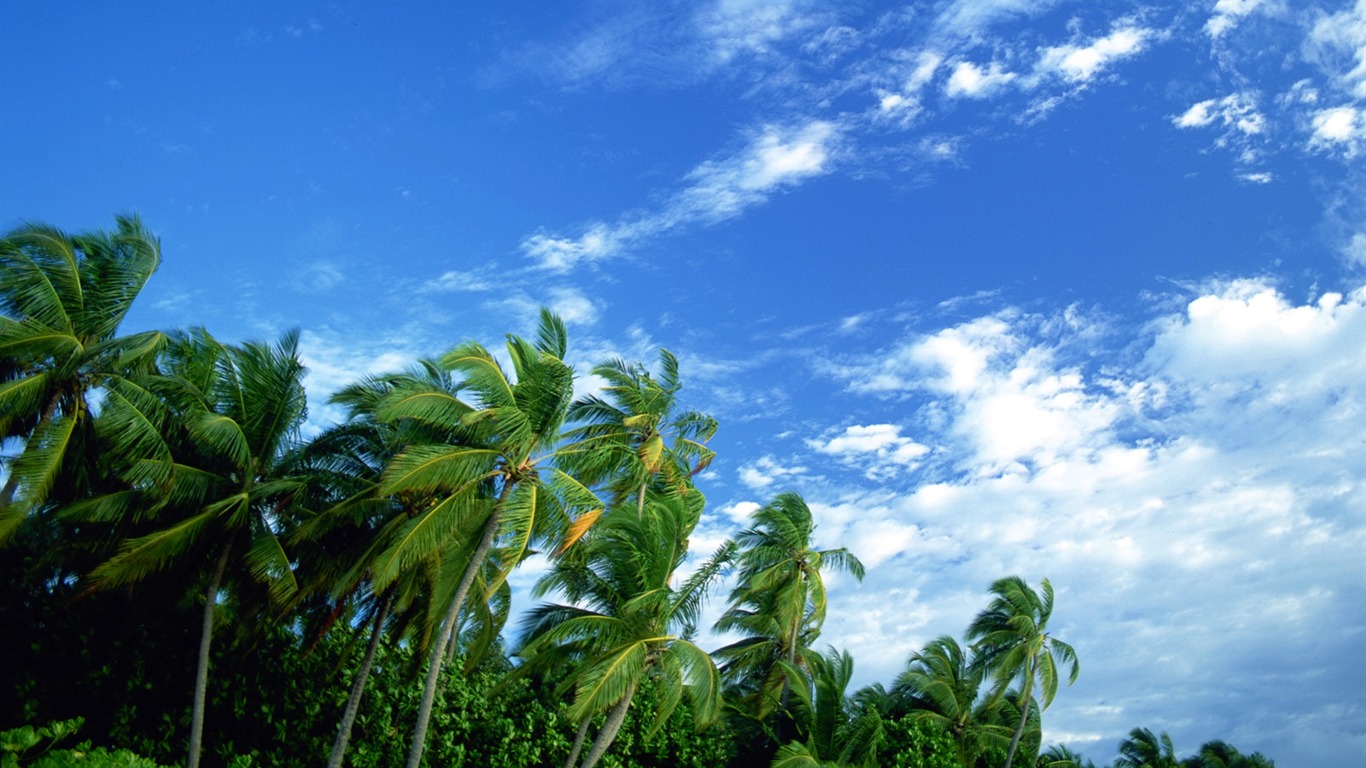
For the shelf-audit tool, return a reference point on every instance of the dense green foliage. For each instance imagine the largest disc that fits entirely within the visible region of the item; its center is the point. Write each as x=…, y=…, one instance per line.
x=186, y=568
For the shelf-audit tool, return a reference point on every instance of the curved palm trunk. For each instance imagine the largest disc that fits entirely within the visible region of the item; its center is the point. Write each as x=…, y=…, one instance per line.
x=358, y=689
x=1024, y=715
x=609, y=729
x=579, y=739
x=424, y=710
x=201, y=675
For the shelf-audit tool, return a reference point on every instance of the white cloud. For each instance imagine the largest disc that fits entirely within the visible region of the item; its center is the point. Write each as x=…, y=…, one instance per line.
x=1339, y=129
x=971, y=18
x=1227, y=13
x=456, y=281
x=573, y=306
x=1237, y=111
x=740, y=512
x=879, y=450
x=775, y=158
x=334, y=362
x=971, y=81
x=1208, y=497
x=1248, y=336
x=1341, y=37
x=735, y=27
x=1236, y=116
x=1081, y=63
x=1355, y=249
x=767, y=472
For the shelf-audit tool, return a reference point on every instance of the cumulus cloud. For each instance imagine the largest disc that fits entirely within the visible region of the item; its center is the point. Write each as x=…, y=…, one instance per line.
x=1205, y=496
x=879, y=450
x=1339, y=129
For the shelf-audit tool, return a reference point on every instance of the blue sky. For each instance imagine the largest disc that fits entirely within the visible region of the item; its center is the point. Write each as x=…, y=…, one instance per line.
x=1062, y=289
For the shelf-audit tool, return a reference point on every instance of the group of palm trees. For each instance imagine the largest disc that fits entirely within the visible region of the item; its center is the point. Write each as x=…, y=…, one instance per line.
x=174, y=450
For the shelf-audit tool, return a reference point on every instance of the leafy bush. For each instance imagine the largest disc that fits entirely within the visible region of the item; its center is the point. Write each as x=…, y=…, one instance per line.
x=17, y=744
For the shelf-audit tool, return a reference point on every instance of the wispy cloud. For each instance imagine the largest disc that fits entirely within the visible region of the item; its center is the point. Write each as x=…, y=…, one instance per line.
x=457, y=281
x=1083, y=61
x=1227, y=14
x=974, y=82
x=773, y=159
x=766, y=473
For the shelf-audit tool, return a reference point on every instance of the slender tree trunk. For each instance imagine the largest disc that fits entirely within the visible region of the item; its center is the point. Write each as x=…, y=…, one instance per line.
x=784, y=715
x=424, y=710
x=358, y=688
x=640, y=503
x=201, y=675
x=579, y=739
x=1024, y=715
x=608, y=734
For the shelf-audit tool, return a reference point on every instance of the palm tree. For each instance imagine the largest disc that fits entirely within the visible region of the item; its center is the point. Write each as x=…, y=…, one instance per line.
x=337, y=546
x=1062, y=756
x=834, y=731
x=496, y=483
x=631, y=437
x=211, y=477
x=779, y=602
x=1011, y=639
x=1144, y=750
x=625, y=619
x=62, y=300
x=1221, y=754
x=943, y=686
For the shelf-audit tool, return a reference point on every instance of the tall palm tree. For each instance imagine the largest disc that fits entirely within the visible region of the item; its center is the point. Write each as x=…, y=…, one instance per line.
x=1143, y=749
x=779, y=602
x=498, y=483
x=1012, y=640
x=338, y=545
x=206, y=464
x=62, y=300
x=943, y=686
x=631, y=436
x=625, y=619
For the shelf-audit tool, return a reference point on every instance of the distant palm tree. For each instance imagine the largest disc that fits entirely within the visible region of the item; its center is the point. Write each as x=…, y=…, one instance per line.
x=625, y=618
x=1220, y=754
x=496, y=484
x=1144, y=750
x=1011, y=639
x=944, y=686
x=631, y=437
x=62, y=300
x=832, y=731
x=212, y=475
x=1062, y=756
x=779, y=602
